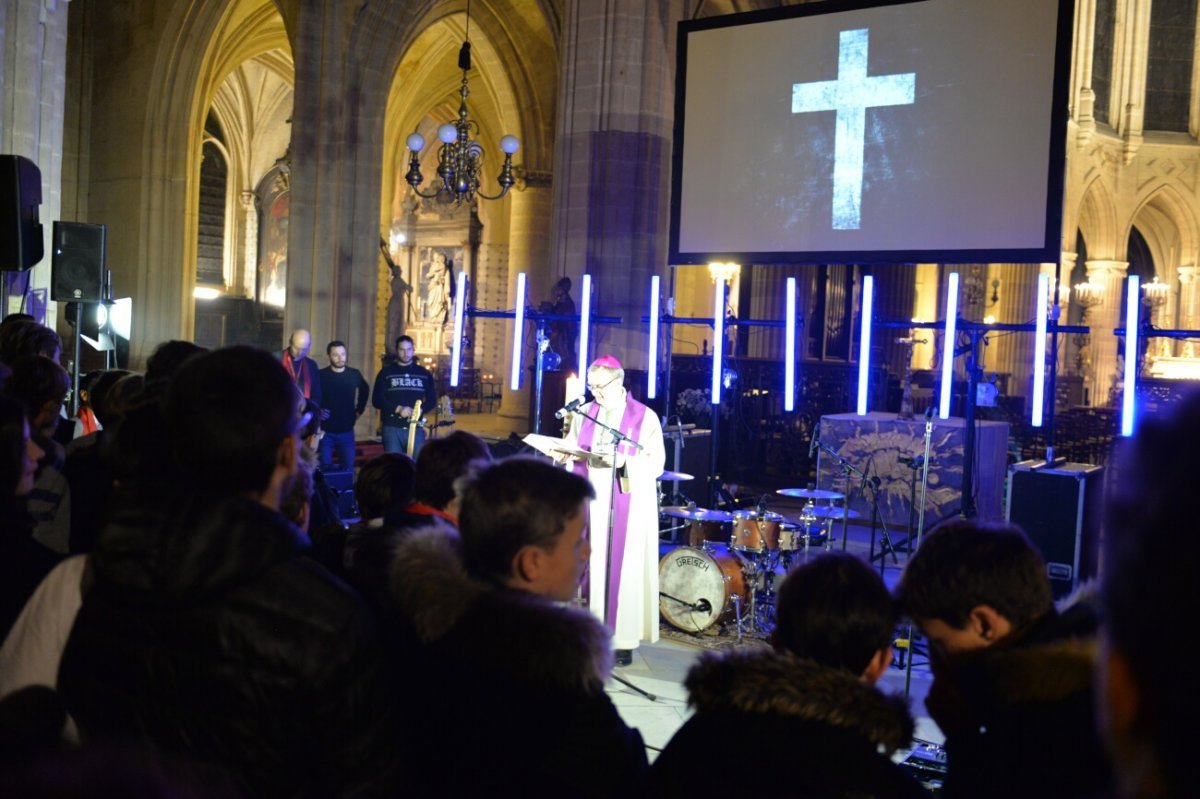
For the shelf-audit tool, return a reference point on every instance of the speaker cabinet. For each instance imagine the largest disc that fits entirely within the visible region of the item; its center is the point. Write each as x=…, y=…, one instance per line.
x=688, y=452
x=1059, y=508
x=20, y=230
x=77, y=263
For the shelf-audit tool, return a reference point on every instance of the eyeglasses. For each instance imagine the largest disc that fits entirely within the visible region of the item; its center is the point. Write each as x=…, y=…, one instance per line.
x=594, y=389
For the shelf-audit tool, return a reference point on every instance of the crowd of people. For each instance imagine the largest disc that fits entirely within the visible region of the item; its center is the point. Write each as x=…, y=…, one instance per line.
x=184, y=614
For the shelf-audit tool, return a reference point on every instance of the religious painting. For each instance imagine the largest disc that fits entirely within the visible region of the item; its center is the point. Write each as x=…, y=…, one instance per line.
x=273, y=243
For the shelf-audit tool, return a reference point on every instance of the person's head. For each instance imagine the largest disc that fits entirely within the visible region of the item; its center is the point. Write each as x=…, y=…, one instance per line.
x=1148, y=599
x=336, y=350
x=836, y=611
x=605, y=379
x=440, y=462
x=99, y=395
x=562, y=288
x=168, y=356
x=385, y=483
x=23, y=338
x=522, y=524
x=85, y=386
x=234, y=416
x=971, y=584
x=405, y=349
x=299, y=344
x=42, y=385
x=18, y=453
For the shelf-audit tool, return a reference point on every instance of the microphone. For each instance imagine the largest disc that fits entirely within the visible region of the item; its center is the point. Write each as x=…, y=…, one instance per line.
x=703, y=606
x=762, y=505
x=568, y=408
x=816, y=439
x=929, y=413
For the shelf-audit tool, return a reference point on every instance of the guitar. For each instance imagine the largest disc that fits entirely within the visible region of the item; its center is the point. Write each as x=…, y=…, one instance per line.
x=413, y=422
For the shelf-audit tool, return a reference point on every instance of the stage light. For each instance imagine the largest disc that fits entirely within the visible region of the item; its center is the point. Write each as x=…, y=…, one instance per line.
x=718, y=337
x=460, y=301
x=1039, y=349
x=948, y=345
x=652, y=361
x=1128, y=399
x=585, y=317
x=864, y=342
x=518, y=332
x=789, y=348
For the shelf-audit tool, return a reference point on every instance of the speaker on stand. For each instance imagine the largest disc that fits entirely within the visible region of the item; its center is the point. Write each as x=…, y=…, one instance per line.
x=77, y=263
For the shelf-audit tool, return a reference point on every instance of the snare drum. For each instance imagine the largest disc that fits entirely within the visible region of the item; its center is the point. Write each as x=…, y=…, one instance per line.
x=754, y=532
x=710, y=578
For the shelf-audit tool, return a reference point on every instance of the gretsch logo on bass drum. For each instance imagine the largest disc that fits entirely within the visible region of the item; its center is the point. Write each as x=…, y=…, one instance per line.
x=692, y=560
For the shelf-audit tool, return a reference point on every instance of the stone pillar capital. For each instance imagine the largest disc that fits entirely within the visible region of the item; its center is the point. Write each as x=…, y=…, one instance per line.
x=1107, y=270
x=248, y=199
x=1188, y=274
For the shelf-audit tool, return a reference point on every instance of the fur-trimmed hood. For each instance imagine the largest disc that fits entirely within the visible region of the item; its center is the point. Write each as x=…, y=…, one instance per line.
x=766, y=682
x=504, y=631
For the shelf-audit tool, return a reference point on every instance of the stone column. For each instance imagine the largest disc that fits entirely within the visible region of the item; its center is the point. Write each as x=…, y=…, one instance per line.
x=1012, y=353
x=1103, y=319
x=528, y=252
x=1188, y=302
x=249, y=203
x=33, y=40
x=612, y=159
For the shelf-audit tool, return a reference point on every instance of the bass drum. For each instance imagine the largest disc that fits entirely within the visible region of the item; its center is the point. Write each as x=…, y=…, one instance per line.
x=709, y=578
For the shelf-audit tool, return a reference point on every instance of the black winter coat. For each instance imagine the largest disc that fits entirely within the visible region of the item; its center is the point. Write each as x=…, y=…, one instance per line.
x=508, y=687
x=210, y=639
x=1019, y=718
x=771, y=724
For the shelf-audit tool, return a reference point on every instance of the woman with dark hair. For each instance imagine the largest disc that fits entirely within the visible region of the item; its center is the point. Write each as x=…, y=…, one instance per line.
x=23, y=561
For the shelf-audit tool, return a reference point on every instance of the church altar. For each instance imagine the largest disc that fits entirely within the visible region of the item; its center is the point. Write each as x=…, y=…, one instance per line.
x=874, y=443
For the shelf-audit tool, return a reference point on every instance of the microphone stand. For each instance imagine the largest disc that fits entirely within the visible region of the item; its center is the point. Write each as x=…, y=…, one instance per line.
x=848, y=469
x=920, y=534
x=618, y=439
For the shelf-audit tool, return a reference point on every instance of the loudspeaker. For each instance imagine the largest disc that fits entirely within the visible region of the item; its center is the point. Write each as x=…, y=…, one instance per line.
x=77, y=263
x=1059, y=509
x=687, y=451
x=20, y=230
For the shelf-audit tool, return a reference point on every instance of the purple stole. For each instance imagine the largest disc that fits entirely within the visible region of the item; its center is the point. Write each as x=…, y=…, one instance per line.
x=630, y=425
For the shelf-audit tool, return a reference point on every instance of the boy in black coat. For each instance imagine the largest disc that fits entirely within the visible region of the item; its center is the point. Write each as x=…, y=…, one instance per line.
x=807, y=711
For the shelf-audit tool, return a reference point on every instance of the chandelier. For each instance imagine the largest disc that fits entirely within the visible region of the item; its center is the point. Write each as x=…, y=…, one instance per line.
x=460, y=158
x=720, y=270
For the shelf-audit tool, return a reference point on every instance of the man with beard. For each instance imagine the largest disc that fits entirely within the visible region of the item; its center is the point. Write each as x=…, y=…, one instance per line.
x=398, y=386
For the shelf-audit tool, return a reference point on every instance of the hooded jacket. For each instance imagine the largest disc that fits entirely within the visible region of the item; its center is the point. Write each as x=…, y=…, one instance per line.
x=210, y=639
x=781, y=726
x=511, y=691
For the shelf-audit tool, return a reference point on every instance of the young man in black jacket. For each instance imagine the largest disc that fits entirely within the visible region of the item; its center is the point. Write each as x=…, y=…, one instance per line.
x=1013, y=686
x=208, y=638
x=398, y=386
x=809, y=708
x=345, y=391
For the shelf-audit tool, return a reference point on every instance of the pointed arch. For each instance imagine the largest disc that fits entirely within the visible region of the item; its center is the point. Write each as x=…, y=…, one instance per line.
x=1098, y=222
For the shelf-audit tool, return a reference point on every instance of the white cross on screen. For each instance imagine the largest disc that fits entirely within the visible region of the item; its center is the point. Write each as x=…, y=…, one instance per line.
x=850, y=96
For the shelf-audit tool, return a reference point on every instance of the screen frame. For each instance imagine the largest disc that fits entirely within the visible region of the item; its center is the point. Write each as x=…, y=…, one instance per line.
x=1049, y=252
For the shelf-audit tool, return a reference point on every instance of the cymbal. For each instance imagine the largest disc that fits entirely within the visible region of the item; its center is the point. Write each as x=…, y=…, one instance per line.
x=810, y=493
x=671, y=477
x=697, y=514
x=830, y=512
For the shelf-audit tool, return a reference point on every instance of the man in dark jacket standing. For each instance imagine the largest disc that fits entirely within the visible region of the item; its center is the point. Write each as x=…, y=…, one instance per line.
x=512, y=695
x=1013, y=686
x=345, y=391
x=398, y=386
x=208, y=637
x=808, y=708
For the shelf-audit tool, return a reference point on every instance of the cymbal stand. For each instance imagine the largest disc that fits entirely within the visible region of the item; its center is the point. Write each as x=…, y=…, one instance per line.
x=848, y=469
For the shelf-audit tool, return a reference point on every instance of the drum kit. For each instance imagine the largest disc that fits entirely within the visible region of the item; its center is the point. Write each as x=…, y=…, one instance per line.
x=726, y=573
